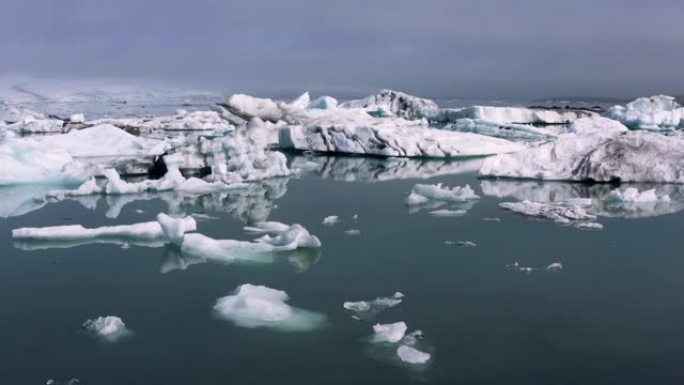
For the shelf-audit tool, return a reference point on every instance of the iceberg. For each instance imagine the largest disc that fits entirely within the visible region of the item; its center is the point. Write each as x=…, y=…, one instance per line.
x=330, y=220
x=511, y=115
x=252, y=306
x=26, y=121
x=604, y=154
x=658, y=112
x=109, y=328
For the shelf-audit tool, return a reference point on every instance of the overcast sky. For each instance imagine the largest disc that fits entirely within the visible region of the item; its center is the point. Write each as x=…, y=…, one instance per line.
x=436, y=48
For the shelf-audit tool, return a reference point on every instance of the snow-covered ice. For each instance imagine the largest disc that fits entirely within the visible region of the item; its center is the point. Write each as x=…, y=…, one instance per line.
x=330, y=220
x=391, y=333
x=252, y=306
x=412, y=355
x=572, y=211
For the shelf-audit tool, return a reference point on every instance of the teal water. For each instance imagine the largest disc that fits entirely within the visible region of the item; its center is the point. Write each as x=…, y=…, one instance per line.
x=612, y=315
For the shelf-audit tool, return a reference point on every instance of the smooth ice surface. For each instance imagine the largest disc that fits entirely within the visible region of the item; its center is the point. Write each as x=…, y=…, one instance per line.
x=389, y=332
x=252, y=306
x=109, y=328
x=412, y=355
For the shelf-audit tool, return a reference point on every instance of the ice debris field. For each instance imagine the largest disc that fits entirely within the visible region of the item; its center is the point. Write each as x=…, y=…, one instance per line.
x=236, y=153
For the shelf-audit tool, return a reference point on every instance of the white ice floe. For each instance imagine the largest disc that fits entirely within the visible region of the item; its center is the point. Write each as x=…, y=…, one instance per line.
x=353, y=232
x=658, y=112
x=448, y=213
x=412, y=355
x=601, y=155
x=252, y=306
x=109, y=328
x=572, y=211
x=391, y=333
x=330, y=220
x=368, y=309
x=423, y=193
x=556, y=266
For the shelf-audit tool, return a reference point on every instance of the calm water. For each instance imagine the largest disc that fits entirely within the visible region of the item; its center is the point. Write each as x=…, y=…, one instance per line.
x=612, y=315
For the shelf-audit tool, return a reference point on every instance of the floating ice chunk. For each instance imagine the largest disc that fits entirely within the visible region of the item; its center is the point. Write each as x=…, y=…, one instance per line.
x=353, y=232
x=589, y=225
x=422, y=193
x=109, y=328
x=655, y=113
x=368, y=309
x=252, y=306
x=262, y=250
x=393, y=103
x=412, y=355
x=330, y=220
x=145, y=231
x=175, y=228
x=448, y=213
x=571, y=211
x=556, y=266
x=492, y=219
x=391, y=333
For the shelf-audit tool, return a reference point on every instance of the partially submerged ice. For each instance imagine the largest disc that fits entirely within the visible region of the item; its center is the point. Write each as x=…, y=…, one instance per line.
x=658, y=112
x=253, y=306
x=412, y=355
x=369, y=309
x=423, y=193
x=572, y=211
x=108, y=328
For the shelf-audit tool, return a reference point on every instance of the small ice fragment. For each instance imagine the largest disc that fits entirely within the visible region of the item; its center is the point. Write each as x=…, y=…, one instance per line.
x=449, y=242
x=252, y=306
x=353, y=232
x=368, y=309
x=110, y=328
x=139, y=211
x=125, y=245
x=526, y=269
x=204, y=217
x=589, y=225
x=389, y=332
x=467, y=243
x=448, y=213
x=554, y=266
x=492, y=219
x=330, y=220
x=355, y=217
x=412, y=355
x=412, y=338
x=77, y=118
